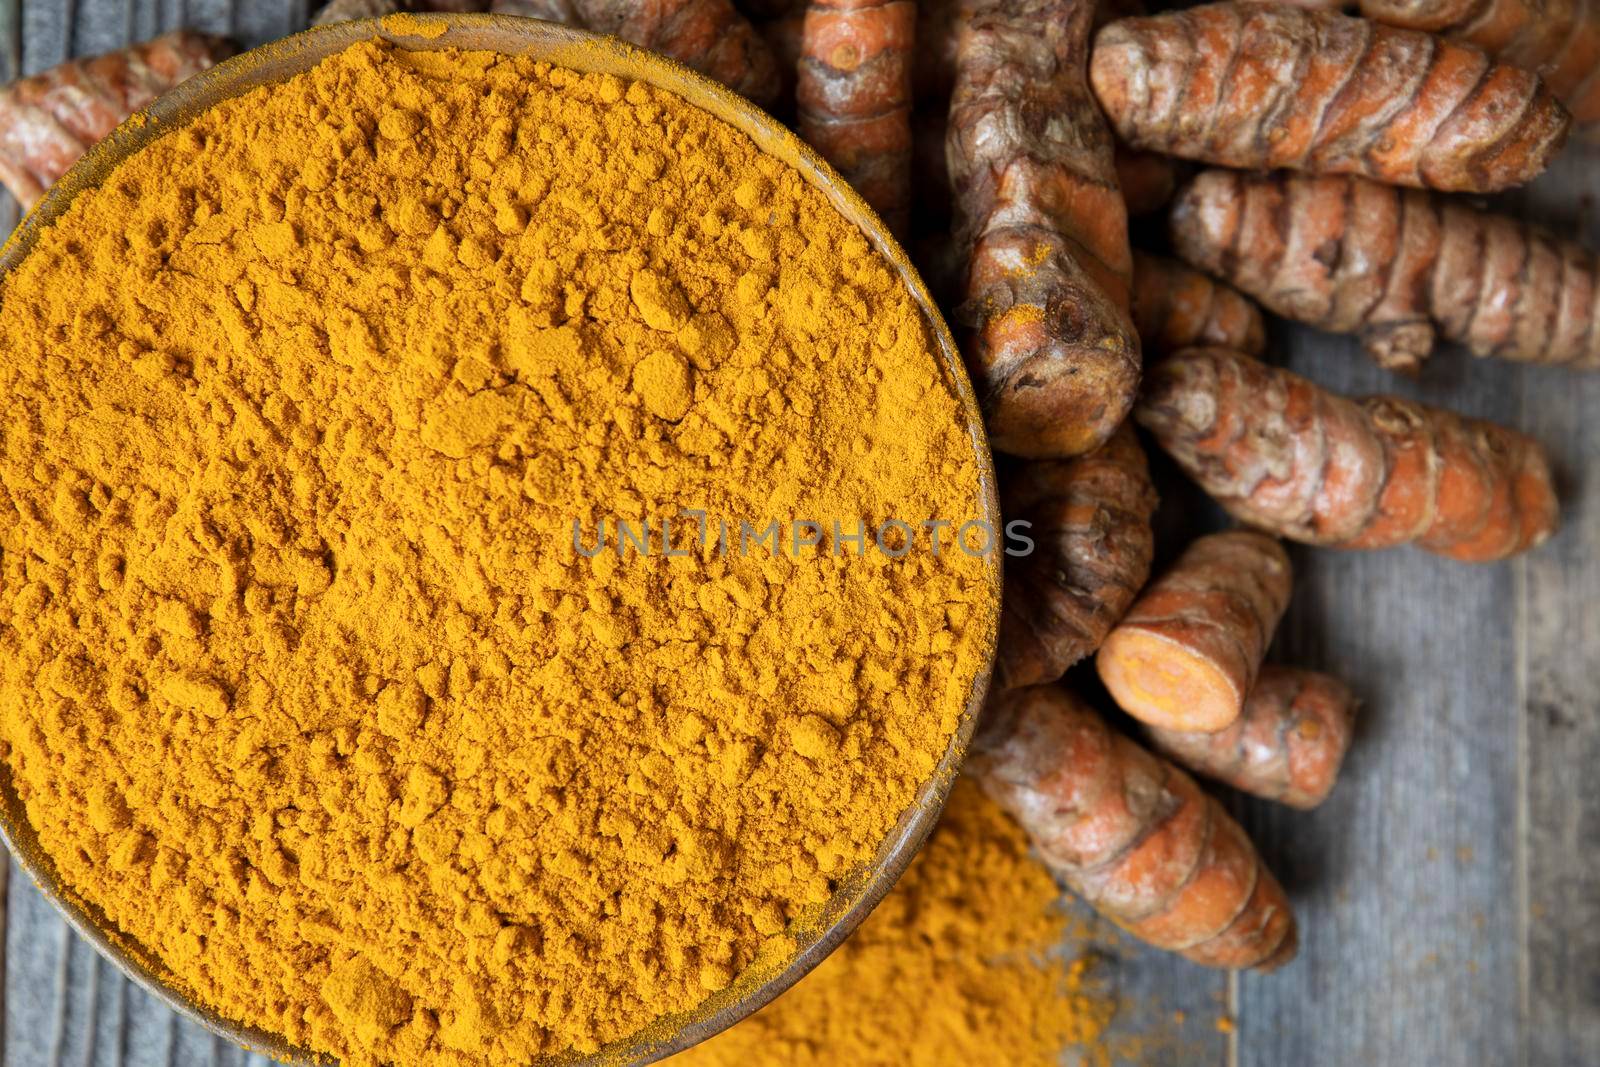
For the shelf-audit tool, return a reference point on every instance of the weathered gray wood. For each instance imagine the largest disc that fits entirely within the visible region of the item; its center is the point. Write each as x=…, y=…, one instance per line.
x=151, y=1029
x=1560, y=709
x=1401, y=880
x=10, y=39
x=36, y=947
x=71, y=1008
x=1449, y=901
x=46, y=34
x=101, y=27
x=1168, y=1008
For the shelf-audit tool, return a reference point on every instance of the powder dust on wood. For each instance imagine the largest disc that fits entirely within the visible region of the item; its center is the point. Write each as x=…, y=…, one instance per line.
x=304, y=683
x=961, y=964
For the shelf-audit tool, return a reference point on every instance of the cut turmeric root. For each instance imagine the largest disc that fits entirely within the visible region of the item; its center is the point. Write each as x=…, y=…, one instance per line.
x=708, y=35
x=1186, y=654
x=1043, y=226
x=1287, y=745
x=1560, y=41
x=854, y=94
x=1394, y=267
x=1264, y=86
x=1090, y=519
x=1282, y=454
x=48, y=121
x=1175, y=306
x=1130, y=833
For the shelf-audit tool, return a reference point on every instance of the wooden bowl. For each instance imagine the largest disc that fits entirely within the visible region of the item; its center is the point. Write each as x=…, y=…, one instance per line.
x=859, y=891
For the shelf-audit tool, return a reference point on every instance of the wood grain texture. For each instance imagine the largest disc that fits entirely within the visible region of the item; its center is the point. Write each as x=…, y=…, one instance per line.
x=1448, y=892
x=10, y=39
x=1167, y=1008
x=1559, y=824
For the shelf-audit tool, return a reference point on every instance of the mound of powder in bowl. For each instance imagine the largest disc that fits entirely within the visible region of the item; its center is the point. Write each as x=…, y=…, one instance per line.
x=329, y=677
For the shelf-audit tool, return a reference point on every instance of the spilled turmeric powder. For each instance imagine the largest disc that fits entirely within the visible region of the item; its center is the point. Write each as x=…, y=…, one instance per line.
x=306, y=682
x=967, y=961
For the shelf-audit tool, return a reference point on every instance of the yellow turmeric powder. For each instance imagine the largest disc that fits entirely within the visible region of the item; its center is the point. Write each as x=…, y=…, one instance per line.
x=308, y=681
x=961, y=964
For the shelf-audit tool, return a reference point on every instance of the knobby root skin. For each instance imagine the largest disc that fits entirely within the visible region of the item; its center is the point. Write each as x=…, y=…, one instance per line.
x=854, y=95
x=1268, y=86
x=708, y=35
x=49, y=120
x=1176, y=307
x=349, y=10
x=1130, y=833
x=1044, y=319
x=1284, y=455
x=1287, y=745
x=1395, y=267
x=1090, y=520
x=1560, y=41
x=1148, y=181
x=1186, y=654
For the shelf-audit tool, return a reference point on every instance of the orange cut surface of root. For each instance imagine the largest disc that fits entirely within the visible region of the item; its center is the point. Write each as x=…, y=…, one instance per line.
x=1163, y=682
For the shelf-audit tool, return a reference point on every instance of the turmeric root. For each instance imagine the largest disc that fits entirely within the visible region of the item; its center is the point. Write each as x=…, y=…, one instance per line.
x=1394, y=267
x=1186, y=654
x=1045, y=317
x=550, y=10
x=1286, y=746
x=1560, y=42
x=707, y=35
x=1090, y=520
x=1284, y=455
x=1147, y=180
x=349, y=10
x=1261, y=86
x=1175, y=307
x=1130, y=833
x=48, y=121
x=854, y=94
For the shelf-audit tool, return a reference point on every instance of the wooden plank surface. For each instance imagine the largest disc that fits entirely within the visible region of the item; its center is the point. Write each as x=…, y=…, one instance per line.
x=1559, y=678
x=1448, y=895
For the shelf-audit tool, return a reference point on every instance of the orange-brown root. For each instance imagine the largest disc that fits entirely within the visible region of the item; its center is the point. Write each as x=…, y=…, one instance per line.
x=1186, y=654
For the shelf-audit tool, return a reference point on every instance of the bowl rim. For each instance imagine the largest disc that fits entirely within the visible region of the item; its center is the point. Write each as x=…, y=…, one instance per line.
x=277, y=61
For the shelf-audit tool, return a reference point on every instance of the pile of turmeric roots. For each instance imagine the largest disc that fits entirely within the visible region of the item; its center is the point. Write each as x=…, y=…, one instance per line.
x=1007, y=142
